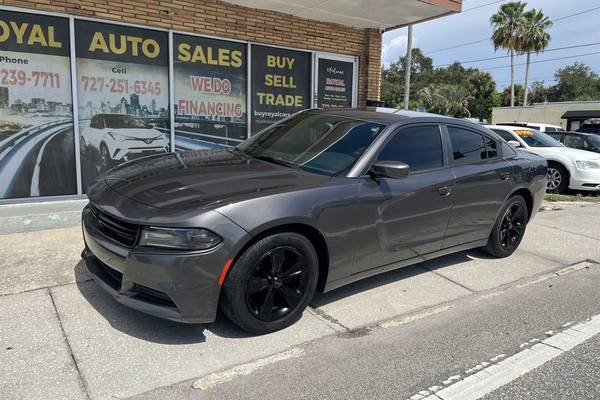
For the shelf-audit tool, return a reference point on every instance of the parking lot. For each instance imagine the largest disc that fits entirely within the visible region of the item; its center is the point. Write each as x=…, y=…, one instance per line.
x=63, y=338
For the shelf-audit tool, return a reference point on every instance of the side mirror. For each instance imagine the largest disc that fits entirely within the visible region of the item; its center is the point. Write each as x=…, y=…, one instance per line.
x=390, y=169
x=514, y=144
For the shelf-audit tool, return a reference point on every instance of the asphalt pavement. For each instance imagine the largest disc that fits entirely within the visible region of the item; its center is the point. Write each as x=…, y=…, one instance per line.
x=422, y=332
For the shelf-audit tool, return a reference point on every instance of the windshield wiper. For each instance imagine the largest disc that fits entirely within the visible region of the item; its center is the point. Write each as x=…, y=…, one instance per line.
x=275, y=161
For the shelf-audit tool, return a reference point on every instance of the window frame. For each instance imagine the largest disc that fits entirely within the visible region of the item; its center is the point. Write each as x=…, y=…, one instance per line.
x=485, y=136
x=397, y=131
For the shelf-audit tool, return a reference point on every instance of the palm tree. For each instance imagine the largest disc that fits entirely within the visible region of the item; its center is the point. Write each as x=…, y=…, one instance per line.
x=508, y=25
x=534, y=39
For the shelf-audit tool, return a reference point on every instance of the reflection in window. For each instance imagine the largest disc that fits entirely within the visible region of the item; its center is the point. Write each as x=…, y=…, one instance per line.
x=467, y=146
x=320, y=143
x=419, y=147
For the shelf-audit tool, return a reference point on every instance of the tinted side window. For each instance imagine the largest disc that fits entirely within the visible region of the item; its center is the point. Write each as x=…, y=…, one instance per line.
x=419, y=147
x=491, y=148
x=467, y=146
x=504, y=135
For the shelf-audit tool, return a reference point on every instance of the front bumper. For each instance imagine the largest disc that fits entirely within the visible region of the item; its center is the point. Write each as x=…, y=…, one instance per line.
x=176, y=285
x=132, y=153
x=585, y=180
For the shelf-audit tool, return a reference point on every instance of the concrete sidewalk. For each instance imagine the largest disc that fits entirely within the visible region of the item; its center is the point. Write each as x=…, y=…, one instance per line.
x=62, y=337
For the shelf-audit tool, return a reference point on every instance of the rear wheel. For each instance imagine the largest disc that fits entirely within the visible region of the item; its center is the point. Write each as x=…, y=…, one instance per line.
x=271, y=283
x=558, y=178
x=509, y=228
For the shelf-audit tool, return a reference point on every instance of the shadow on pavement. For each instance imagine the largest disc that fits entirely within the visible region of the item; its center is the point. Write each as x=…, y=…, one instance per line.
x=149, y=328
x=385, y=278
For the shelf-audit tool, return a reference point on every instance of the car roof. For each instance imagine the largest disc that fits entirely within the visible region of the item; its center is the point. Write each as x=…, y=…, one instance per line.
x=384, y=115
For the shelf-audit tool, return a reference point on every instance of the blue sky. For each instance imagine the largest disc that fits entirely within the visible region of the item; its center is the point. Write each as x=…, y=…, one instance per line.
x=473, y=25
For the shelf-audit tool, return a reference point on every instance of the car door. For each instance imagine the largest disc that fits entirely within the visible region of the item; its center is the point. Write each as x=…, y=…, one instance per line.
x=407, y=216
x=483, y=179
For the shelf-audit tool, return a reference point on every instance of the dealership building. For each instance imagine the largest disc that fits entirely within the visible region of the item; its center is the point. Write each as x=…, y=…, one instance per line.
x=88, y=84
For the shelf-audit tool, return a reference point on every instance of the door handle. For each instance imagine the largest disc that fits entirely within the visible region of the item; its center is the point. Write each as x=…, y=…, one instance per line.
x=444, y=191
x=505, y=176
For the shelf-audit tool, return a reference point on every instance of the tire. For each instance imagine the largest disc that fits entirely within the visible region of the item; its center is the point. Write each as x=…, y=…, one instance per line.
x=558, y=178
x=260, y=297
x=104, y=157
x=507, y=235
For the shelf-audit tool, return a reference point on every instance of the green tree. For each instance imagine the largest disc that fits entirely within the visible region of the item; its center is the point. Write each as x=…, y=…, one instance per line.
x=539, y=93
x=575, y=82
x=483, y=89
x=534, y=39
x=508, y=25
x=446, y=99
x=515, y=94
x=392, y=78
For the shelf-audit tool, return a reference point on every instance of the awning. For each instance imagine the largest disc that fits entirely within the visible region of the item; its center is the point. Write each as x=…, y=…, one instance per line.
x=581, y=114
x=378, y=14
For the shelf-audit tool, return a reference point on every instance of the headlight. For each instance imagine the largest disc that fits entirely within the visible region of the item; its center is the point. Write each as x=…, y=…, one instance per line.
x=186, y=239
x=585, y=164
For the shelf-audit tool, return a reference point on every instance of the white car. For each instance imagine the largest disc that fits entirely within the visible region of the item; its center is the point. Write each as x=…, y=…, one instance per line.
x=537, y=126
x=567, y=167
x=121, y=137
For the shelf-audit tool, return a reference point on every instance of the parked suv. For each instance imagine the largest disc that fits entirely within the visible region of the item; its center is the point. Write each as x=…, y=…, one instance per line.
x=567, y=167
x=120, y=137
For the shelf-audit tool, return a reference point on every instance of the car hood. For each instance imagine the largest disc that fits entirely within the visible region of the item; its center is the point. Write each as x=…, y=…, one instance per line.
x=205, y=178
x=572, y=154
x=140, y=133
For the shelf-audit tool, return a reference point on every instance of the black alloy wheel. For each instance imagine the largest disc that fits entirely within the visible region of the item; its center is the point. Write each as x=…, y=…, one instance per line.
x=509, y=228
x=513, y=226
x=271, y=283
x=277, y=284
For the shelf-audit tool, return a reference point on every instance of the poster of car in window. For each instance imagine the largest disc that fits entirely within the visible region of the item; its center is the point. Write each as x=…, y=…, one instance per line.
x=123, y=95
x=334, y=83
x=210, y=92
x=281, y=81
x=37, y=150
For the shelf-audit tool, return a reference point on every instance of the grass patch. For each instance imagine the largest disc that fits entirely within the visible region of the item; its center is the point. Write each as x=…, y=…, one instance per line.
x=571, y=197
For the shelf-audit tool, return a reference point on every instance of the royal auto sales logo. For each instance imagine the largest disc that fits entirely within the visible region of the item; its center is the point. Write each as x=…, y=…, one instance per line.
x=334, y=71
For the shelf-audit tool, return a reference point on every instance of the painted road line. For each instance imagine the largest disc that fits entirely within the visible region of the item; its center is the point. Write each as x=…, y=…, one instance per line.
x=487, y=380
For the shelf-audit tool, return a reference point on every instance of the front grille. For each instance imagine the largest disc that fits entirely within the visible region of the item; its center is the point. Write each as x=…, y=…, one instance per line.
x=153, y=296
x=113, y=228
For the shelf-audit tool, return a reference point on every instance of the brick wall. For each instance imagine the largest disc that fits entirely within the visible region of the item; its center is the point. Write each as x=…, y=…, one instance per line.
x=225, y=20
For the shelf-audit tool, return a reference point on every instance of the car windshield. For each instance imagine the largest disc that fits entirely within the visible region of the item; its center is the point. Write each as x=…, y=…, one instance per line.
x=321, y=143
x=536, y=138
x=124, y=122
x=595, y=140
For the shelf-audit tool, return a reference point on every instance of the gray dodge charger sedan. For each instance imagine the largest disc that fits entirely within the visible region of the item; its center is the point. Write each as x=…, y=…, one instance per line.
x=316, y=201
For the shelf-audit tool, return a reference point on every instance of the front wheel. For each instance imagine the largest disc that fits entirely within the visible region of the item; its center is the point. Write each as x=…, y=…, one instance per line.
x=558, y=179
x=509, y=228
x=104, y=157
x=271, y=283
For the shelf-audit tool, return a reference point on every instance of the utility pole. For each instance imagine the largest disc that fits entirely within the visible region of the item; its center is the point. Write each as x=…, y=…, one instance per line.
x=408, y=67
